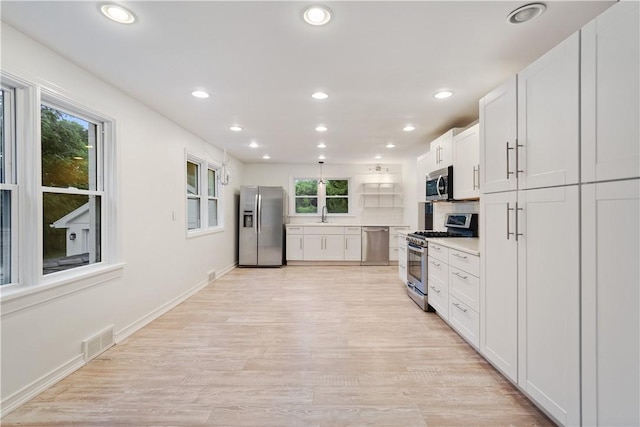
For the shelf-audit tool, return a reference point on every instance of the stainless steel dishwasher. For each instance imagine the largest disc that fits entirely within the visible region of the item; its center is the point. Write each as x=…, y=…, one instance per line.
x=375, y=246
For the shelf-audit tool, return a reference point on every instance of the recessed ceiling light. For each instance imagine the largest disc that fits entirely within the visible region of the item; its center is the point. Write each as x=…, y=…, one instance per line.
x=200, y=94
x=235, y=128
x=253, y=144
x=378, y=157
x=322, y=145
x=319, y=95
x=409, y=128
x=442, y=94
x=321, y=128
x=266, y=157
x=526, y=13
x=316, y=15
x=117, y=13
x=321, y=157
x=390, y=145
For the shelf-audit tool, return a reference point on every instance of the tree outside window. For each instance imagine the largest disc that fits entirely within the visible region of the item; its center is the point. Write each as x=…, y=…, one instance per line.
x=337, y=196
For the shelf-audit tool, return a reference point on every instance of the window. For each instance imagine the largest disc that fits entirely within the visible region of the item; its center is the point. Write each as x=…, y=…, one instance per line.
x=337, y=196
x=8, y=189
x=72, y=189
x=203, y=195
x=306, y=195
x=309, y=196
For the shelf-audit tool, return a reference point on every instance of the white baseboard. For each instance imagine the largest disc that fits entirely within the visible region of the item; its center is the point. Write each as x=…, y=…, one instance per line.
x=228, y=269
x=129, y=330
x=22, y=396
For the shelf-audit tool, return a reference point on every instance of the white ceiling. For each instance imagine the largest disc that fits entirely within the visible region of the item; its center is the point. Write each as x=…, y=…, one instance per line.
x=380, y=62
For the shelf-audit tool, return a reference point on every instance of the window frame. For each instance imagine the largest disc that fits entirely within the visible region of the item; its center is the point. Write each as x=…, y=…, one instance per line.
x=30, y=285
x=322, y=196
x=9, y=181
x=296, y=197
x=204, y=166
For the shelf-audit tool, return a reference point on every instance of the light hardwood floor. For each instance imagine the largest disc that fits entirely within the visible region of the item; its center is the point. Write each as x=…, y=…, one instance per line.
x=296, y=346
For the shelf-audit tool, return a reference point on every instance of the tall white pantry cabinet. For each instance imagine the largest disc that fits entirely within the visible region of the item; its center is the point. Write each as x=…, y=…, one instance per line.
x=559, y=282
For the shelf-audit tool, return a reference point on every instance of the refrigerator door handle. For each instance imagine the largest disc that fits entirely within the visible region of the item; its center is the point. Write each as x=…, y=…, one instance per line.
x=259, y=213
x=255, y=215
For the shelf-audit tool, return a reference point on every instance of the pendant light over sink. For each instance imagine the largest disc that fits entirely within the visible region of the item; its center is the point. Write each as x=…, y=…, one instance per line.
x=321, y=180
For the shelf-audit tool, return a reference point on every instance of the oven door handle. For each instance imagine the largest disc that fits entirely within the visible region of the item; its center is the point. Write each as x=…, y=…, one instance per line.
x=415, y=248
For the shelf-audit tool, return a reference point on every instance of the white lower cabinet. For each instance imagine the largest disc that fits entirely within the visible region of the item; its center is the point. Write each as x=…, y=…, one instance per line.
x=323, y=243
x=394, y=248
x=611, y=304
x=465, y=320
x=295, y=244
x=438, y=283
x=402, y=258
x=530, y=317
x=352, y=244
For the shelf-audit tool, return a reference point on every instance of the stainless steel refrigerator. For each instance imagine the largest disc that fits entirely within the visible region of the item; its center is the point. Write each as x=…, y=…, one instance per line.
x=261, y=235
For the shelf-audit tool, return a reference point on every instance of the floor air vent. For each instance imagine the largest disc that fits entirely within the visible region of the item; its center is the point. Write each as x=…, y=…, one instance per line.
x=98, y=343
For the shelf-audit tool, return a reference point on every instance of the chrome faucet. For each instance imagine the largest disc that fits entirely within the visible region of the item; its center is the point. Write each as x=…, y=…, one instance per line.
x=324, y=214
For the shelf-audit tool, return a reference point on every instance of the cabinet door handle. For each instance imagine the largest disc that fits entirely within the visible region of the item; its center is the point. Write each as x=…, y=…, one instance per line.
x=434, y=288
x=464, y=310
x=301, y=243
x=518, y=209
x=435, y=263
x=474, y=178
x=508, y=171
x=459, y=256
x=508, y=210
x=460, y=276
x=517, y=158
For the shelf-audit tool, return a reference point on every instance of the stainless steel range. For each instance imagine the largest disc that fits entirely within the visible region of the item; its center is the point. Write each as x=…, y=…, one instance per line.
x=458, y=225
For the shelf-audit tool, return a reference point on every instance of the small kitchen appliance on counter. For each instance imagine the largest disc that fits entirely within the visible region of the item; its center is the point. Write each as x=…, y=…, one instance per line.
x=458, y=225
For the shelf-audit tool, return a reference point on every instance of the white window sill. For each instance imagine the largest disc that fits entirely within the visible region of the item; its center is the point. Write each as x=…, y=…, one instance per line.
x=15, y=298
x=198, y=233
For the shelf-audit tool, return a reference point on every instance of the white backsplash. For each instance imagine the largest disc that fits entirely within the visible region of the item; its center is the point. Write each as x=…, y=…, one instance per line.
x=441, y=209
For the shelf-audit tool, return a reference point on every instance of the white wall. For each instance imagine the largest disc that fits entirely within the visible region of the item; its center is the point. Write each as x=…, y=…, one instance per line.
x=360, y=174
x=161, y=263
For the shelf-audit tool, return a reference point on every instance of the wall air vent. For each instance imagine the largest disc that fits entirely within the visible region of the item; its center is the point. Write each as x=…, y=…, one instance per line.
x=97, y=344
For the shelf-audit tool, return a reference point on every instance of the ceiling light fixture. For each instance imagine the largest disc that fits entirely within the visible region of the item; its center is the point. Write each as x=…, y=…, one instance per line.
x=316, y=15
x=526, y=13
x=200, y=94
x=409, y=128
x=253, y=144
x=266, y=157
x=321, y=128
x=443, y=94
x=321, y=157
x=319, y=95
x=377, y=157
x=322, y=145
x=235, y=128
x=390, y=145
x=117, y=14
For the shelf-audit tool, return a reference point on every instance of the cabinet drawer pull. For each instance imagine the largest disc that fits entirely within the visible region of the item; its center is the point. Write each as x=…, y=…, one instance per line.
x=464, y=310
x=435, y=263
x=434, y=288
x=459, y=256
x=460, y=276
x=435, y=248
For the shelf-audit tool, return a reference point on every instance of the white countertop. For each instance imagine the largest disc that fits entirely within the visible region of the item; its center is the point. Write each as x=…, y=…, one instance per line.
x=336, y=224
x=470, y=245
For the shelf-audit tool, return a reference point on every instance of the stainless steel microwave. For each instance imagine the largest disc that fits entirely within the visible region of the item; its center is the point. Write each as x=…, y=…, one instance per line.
x=439, y=184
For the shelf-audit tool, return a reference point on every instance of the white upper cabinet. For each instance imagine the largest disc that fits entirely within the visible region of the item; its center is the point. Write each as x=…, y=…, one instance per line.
x=498, y=127
x=611, y=94
x=611, y=303
x=529, y=126
x=466, y=164
x=547, y=153
x=441, y=150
